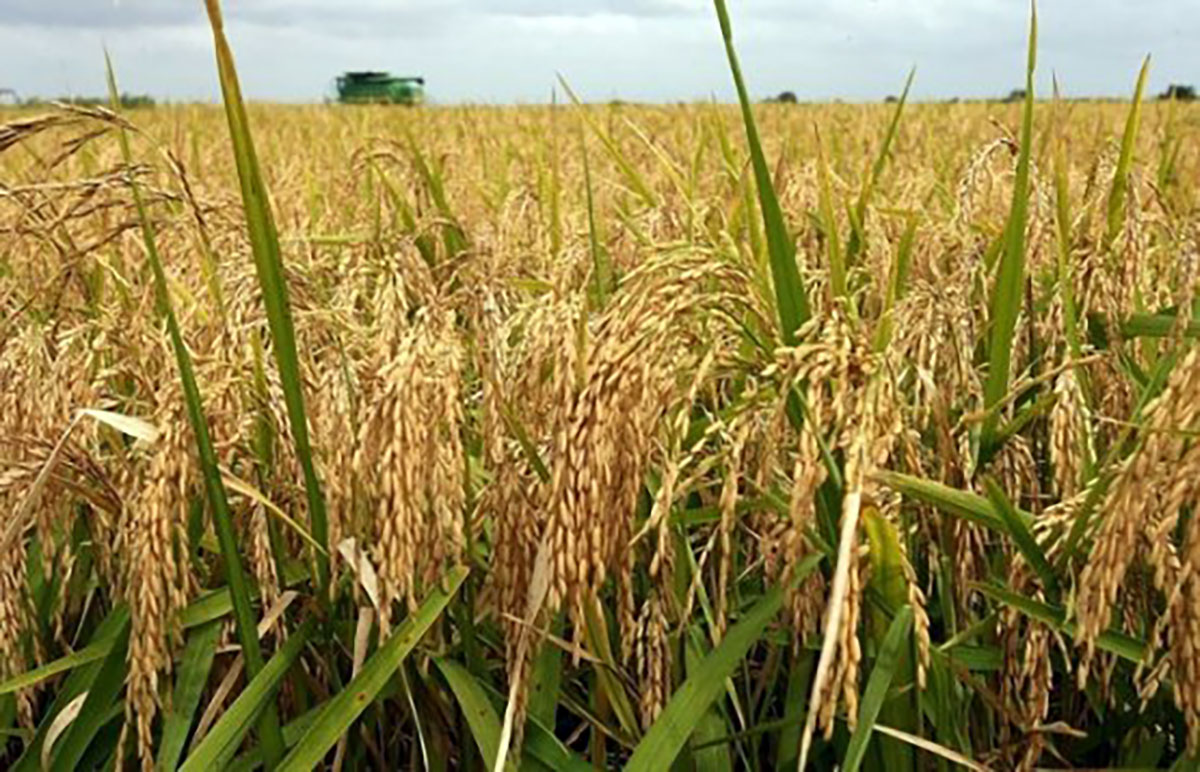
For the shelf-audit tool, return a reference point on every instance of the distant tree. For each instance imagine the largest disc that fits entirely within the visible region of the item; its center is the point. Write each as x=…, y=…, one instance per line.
x=786, y=98
x=1179, y=92
x=1016, y=95
x=127, y=101
x=891, y=99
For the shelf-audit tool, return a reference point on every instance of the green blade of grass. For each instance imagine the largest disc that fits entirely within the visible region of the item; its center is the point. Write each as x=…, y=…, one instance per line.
x=542, y=745
x=1020, y=533
x=964, y=504
x=637, y=182
x=113, y=627
x=190, y=680
x=1149, y=325
x=292, y=731
x=833, y=245
x=481, y=716
x=897, y=282
x=792, y=302
x=95, y=651
x=213, y=484
x=886, y=663
x=602, y=270
x=546, y=678
x=889, y=586
x=712, y=725
x=341, y=711
x=1066, y=285
x=217, y=603
x=1010, y=276
x=857, y=241
x=1120, y=182
x=667, y=736
x=1112, y=641
x=1062, y=222
x=799, y=681
x=611, y=689
x=223, y=740
x=454, y=238
x=101, y=694
x=268, y=263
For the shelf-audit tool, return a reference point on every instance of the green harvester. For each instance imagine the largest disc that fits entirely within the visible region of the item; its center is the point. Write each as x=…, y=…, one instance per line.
x=370, y=87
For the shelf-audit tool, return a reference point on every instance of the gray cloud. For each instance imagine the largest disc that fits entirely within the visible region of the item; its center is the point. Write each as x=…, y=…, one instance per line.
x=98, y=14
x=504, y=50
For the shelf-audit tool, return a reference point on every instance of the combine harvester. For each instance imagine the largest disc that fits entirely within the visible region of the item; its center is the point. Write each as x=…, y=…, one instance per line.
x=369, y=87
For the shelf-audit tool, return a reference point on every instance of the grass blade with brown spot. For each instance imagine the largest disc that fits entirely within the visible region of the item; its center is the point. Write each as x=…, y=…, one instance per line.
x=341, y=711
x=222, y=741
x=475, y=705
x=690, y=702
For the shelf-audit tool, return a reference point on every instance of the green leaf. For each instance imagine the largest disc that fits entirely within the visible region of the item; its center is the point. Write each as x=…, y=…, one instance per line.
x=292, y=731
x=1010, y=276
x=833, y=244
x=190, y=680
x=596, y=637
x=713, y=756
x=964, y=504
x=481, y=716
x=97, y=650
x=217, y=603
x=897, y=282
x=93, y=715
x=662, y=743
x=887, y=561
x=453, y=237
x=342, y=710
x=214, y=486
x=114, y=626
x=635, y=179
x=545, y=678
x=268, y=263
x=1124, y=646
x=799, y=683
x=603, y=276
x=890, y=654
x=1020, y=533
x=222, y=741
x=542, y=745
x=855, y=243
x=1149, y=325
x=1120, y=181
x=792, y=302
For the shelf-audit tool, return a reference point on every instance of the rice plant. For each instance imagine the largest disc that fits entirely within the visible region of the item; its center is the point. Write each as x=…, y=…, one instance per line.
x=579, y=436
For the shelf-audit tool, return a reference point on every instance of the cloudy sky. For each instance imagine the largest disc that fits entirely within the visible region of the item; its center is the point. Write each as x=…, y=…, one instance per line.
x=499, y=51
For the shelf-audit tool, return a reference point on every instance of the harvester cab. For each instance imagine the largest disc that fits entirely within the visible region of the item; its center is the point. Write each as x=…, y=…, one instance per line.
x=370, y=87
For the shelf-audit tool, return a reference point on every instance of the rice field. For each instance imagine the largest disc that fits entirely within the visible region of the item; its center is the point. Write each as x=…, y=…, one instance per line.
x=585, y=436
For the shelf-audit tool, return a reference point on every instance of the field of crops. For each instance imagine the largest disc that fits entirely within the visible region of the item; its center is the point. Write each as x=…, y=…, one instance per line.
x=595, y=436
